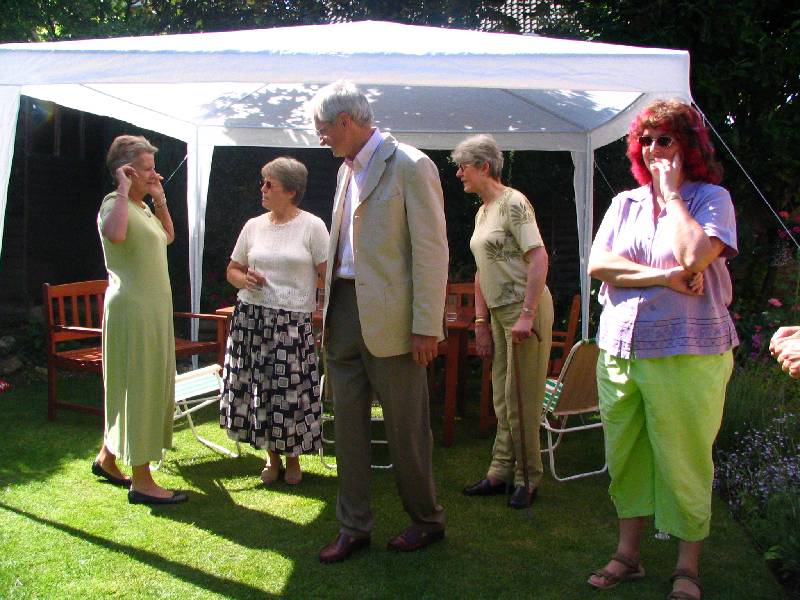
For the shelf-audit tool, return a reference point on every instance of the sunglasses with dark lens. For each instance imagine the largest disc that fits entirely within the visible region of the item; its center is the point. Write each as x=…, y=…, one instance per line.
x=663, y=141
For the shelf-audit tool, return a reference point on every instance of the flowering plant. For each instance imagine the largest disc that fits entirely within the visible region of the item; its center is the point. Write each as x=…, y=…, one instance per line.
x=758, y=466
x=762, y=463
x=790, y=223
x=759, y=477
x=755, y=327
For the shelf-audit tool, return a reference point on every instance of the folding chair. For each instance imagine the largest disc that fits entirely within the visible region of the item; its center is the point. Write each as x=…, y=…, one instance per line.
x=195, y=390
x=376, y=416
x=573, y=394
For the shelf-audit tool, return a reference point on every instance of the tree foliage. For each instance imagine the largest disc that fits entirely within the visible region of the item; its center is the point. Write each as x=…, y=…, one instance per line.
x=49, y=20
x=745, y=77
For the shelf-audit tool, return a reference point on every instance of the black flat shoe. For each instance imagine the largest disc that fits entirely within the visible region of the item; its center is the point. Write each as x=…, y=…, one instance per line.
x=135, y=497
x=101, y=472
x=522, y=498
x=485, y=488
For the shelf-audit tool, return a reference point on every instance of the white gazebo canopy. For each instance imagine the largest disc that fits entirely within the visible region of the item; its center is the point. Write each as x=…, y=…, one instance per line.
x=430, y=87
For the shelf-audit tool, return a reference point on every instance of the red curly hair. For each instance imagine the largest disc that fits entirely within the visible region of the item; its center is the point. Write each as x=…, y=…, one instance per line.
x=683, y=123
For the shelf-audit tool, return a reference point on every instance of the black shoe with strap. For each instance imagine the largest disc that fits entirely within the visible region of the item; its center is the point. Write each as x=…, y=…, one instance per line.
x=522, y=497
x=484, y=487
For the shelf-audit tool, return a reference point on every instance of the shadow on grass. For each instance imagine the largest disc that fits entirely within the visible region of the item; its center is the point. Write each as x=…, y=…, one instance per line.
x=227, y=588
x=218, y=513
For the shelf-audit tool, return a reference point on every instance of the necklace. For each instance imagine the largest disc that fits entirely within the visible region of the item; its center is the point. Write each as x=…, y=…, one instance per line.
x=272, y=220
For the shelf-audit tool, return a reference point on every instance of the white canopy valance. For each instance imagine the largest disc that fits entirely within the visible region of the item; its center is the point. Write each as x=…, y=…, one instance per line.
x=429, y=86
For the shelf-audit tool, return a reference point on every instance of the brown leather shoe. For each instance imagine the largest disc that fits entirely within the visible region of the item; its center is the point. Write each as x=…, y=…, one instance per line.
x=413, y=539
x=342, y=547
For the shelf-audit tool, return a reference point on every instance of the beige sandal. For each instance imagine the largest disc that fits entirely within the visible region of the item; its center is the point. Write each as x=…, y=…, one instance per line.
x=293, y=474
x=685, y=575
x=271, y=473
x=633, y=570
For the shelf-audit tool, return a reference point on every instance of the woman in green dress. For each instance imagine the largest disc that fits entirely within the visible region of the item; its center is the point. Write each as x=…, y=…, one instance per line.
x=138, y=336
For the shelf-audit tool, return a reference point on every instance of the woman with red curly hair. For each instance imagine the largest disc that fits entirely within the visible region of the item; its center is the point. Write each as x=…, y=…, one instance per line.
x=666, y=338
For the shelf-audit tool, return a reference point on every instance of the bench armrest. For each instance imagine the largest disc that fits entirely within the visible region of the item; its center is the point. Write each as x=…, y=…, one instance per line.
x=208, y=317
x=72, y=329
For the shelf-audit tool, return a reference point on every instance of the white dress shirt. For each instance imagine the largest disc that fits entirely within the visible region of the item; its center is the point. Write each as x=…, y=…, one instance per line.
x=359, y=166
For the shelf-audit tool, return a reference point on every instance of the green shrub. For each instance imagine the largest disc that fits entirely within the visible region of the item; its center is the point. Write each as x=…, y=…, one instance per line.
x=757, y=393
x=778, y=531
x=758, y=463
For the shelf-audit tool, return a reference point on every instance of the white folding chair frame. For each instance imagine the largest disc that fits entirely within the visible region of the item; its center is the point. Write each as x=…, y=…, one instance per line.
x=554, y=386
x=192, y=391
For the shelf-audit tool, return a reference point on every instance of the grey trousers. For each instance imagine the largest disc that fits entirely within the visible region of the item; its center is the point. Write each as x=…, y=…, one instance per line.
x=401, y=385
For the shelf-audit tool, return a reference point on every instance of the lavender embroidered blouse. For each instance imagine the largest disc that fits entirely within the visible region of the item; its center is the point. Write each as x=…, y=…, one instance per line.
x=656, y=321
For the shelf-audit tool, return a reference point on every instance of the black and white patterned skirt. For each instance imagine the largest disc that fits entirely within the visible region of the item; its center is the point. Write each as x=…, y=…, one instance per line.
x=271, y=394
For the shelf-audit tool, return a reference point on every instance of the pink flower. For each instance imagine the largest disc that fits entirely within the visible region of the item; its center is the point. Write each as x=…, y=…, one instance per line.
x=737, y=317
x=775, y=302
x=757, y=328
x=796, y=229
x=783, y=214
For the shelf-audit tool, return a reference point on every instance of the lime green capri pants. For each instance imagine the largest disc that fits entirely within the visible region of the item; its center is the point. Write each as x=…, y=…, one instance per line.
x=660, y=417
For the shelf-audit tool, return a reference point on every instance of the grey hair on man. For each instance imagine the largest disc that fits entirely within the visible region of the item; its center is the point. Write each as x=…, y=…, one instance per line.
x=341, y=97
x=478, y=150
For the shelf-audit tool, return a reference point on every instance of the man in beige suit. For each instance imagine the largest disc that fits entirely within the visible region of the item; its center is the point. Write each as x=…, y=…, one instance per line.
x=385, y=293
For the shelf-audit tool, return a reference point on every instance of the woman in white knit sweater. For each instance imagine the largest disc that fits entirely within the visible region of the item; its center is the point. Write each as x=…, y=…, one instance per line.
x=271, y=396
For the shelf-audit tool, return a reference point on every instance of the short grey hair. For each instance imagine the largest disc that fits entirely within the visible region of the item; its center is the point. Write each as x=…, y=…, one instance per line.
x=479, y=150
x=291, y=173
x=126, y=149
x=341, y=97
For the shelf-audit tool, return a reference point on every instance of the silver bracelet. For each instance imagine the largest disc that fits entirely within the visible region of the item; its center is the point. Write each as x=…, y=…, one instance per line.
x=157, y=206
x=527, y=311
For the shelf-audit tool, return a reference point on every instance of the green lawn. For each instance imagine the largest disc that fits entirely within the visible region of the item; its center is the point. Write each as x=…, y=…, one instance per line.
x=63, y=534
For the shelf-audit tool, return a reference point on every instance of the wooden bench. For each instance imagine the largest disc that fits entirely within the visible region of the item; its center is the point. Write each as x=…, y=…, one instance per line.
x=73, y=316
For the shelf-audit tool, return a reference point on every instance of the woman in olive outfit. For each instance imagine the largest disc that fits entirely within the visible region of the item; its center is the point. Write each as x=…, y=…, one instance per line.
x=513, y=314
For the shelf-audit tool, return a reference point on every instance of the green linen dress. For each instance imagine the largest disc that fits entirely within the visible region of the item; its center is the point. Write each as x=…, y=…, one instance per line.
x=138, y=339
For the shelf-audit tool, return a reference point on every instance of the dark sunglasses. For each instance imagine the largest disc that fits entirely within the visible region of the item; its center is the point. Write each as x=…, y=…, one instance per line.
x=663, y=141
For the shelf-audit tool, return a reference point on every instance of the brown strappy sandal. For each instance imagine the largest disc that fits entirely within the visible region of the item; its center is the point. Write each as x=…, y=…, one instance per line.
x=634, y=570
x=685, y=575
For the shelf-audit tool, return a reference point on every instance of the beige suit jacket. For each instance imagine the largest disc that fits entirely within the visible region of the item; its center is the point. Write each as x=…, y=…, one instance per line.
x=399, y=247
